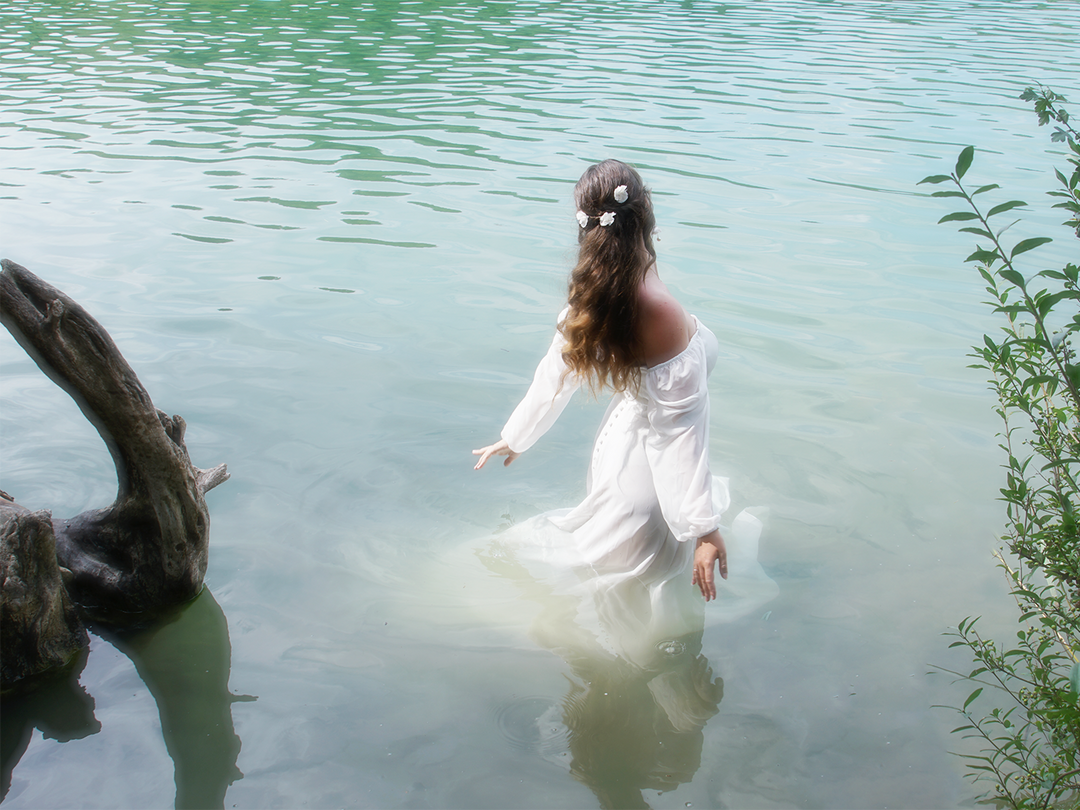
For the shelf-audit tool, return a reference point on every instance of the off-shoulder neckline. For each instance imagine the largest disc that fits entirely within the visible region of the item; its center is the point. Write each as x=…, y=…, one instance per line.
x=689, y=343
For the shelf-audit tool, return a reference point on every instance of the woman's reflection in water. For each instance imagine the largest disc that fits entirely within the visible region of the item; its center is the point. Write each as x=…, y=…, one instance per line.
x=641, y=689
x=632, y=728
x=184, y=660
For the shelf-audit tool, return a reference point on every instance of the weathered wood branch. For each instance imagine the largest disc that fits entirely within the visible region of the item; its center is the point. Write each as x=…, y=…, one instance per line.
x=148, y=550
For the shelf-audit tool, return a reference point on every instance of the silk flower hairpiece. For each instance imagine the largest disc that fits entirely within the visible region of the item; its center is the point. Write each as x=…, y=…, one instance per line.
x=605, y=218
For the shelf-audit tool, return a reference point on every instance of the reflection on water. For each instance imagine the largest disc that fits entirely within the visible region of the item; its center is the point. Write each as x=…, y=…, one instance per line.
x=209, y=178
x=632, y=728
x=185, y=663
x=60, y=708
x=640, y=690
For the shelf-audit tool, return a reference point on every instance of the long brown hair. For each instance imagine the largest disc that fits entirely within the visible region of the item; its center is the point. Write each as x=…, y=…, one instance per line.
x=613, y=256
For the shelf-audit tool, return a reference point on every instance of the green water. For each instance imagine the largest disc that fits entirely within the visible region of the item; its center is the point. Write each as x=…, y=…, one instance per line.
x=334, y=237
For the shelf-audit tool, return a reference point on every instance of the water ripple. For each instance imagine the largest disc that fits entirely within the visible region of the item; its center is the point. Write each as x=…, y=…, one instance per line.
x=334, y=236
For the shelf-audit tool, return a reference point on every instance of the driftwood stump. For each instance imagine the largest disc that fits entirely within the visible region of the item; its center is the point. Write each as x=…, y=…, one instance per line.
x=146, y=552
x=39, y=628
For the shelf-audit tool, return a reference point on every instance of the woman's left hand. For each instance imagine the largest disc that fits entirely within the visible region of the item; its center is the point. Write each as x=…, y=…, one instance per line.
x=500, y=448
x=710, y=551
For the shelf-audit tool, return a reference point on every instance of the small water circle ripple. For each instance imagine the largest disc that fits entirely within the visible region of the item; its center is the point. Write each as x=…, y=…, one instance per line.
x=532, y=724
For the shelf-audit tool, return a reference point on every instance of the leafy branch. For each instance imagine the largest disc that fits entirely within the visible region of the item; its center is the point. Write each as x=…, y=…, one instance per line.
x=1031, y=750
x=1046, y=107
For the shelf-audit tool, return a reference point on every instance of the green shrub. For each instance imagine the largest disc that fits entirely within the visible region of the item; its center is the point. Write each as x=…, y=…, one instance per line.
x=1029, y=748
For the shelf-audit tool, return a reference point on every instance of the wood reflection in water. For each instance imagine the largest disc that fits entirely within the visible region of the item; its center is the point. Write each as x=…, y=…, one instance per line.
x=60, y=708
x=185, y=662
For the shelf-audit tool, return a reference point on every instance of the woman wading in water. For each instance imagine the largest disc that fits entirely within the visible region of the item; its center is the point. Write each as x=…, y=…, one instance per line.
x=649, y=513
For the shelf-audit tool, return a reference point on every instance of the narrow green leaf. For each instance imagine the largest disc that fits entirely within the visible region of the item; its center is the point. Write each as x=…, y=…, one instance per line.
x=1012, y=309
x=1074, y=679
x=972, y=697
x=981, y=189
x=1029, y=244
x=1007, y=206
x=978, y=232
x=963, y=163
x=1073, y=372
x=949, y=194
x=1048, y=302
x=958, y=216
x=1041, y=379
x=935, y=179
x=983, y=256
x=1013, y=277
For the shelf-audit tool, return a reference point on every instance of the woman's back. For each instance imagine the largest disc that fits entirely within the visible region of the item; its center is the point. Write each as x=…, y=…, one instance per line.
x=664, y=327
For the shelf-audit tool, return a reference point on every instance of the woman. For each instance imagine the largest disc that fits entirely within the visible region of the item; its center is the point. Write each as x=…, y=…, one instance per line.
x=650, y=499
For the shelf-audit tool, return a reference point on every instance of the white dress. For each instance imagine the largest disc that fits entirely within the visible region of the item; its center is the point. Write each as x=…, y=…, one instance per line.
x=650, y=495
x=649, y=479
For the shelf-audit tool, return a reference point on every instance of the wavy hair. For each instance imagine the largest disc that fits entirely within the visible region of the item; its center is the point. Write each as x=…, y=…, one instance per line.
x=601, y=327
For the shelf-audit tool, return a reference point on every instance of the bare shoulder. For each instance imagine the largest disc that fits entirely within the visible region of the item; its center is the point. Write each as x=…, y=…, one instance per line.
x=664, y=328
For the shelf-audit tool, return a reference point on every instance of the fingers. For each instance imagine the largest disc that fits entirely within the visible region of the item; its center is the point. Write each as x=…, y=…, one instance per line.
x=497, y=449
x=721, y=556
x=484, y=455
x=708, y=586
x=703, y=578
x=708, y=590
x=710, y=551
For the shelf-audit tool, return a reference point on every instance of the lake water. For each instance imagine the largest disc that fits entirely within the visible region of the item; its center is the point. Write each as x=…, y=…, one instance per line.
x=334, y=238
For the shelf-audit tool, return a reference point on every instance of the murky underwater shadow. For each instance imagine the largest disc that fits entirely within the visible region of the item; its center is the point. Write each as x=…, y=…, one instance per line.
x=185, y=662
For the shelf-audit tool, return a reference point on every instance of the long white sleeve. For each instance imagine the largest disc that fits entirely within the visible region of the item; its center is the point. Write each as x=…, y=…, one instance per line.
x=545, y=400
x=677, y=446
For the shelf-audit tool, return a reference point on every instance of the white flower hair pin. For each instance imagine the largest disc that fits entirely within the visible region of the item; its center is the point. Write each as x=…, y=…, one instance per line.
x=620, y=194
x=605, y=218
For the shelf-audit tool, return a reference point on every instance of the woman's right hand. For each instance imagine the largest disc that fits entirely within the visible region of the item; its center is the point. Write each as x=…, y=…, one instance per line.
x=709, y=554
x=500, y=448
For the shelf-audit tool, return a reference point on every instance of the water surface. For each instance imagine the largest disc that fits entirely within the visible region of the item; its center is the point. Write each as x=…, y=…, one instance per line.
x=334, y=238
